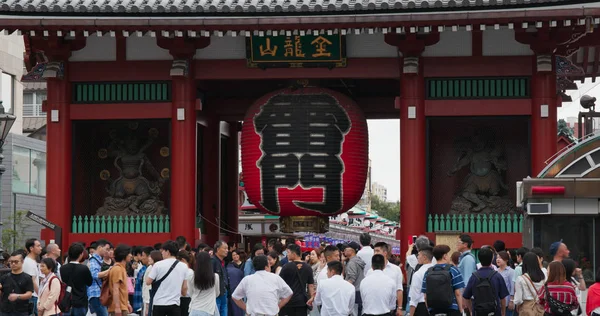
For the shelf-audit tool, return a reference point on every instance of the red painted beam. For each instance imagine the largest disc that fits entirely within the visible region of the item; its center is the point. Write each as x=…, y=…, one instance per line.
x=477, y=66
x=358, y=68
x=120, y=70
x=494, y=107
x=120, y=111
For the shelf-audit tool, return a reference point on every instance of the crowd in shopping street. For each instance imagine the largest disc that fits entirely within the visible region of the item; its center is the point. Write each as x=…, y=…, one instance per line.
x=282, y=278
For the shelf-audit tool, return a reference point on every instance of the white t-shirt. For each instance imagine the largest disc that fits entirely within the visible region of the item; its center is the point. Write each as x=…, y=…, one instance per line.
x=31, y=267
x=169, y=292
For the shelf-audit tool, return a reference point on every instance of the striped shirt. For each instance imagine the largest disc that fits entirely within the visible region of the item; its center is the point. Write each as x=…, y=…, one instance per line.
x=561, y=292
x=457, y=283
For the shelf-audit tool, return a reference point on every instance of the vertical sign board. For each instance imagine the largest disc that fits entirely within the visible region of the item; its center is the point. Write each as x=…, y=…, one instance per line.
x=44, y=222
x=296, y=51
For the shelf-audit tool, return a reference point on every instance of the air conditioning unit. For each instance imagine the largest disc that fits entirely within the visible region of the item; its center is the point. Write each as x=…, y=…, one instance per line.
x=539, y=208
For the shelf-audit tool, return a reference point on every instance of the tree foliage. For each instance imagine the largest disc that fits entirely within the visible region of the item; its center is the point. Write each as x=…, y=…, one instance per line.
x=563, y=128
x=13, y=231
x=385, y=209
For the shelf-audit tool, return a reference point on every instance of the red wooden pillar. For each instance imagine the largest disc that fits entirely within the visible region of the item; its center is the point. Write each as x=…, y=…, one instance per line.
x=183, y=157
x=211, y=200
x=59, y=156
x=544, y=112
x=413, y=173
x=184, y=134
x=412, y=154
x=233, y=179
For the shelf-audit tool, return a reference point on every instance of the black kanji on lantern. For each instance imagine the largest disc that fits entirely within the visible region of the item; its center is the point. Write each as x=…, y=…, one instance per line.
x=301, y=140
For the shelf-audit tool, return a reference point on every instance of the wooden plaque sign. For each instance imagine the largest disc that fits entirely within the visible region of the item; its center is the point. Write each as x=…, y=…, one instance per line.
x=296, y=51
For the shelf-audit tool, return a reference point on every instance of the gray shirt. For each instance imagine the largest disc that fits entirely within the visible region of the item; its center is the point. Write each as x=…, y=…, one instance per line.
x=355, y=271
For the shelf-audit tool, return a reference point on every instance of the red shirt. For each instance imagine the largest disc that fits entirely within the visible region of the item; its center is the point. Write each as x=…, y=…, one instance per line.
x=561, y=292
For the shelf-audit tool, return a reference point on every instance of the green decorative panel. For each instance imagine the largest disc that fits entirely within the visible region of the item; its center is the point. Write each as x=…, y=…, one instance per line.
x=120, y=224
x=122, y=92
x=476, y=223
x=477, y=88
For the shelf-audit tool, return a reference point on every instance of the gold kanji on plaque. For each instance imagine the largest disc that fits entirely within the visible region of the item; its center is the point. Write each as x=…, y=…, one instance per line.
x=293, y=48
x=321, y=47
x=268, y=50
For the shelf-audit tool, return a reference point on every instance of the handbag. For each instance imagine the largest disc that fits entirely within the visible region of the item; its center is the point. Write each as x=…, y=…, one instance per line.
x=557, y=307
x=531, y=307
x=303, y=285
x=130, y=287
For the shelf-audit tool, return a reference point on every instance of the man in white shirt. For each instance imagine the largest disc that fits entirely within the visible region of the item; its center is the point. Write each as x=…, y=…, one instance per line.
x=366, y=252
x=170, y=289
x=417, y=298
x=394, y=273
x=378, y=291
x=331, y=253
x=30, y=266
x=336, y=295
x=265, y=292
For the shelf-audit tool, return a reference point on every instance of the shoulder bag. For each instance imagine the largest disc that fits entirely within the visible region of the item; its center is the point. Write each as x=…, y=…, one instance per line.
x=302, y=284
x=531, y=307
x=156, y=284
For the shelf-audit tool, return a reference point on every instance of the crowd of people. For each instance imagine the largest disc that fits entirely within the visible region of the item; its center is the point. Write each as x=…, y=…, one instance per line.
x=355, y=278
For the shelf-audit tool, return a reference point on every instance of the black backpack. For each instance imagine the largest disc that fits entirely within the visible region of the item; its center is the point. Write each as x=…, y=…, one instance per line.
x=440, y=294
x=485, y=295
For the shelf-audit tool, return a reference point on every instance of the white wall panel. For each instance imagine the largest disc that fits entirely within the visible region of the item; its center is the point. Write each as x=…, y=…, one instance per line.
x=502, y=43
x=451, y=44
x=97, y=48
x=145, y=48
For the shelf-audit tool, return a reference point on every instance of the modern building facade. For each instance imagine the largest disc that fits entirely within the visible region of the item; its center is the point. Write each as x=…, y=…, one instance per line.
x=379, y=190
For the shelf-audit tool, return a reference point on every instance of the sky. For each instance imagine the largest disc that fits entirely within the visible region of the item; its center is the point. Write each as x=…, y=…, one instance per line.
x=384, y=140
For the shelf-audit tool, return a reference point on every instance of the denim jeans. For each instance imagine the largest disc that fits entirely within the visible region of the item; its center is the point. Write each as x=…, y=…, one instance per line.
x=97, y=308
x=76, y=311
x=34, y=301
x=222, y=304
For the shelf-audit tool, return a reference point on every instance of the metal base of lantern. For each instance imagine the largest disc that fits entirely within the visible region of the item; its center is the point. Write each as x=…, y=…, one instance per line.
x=304, y=224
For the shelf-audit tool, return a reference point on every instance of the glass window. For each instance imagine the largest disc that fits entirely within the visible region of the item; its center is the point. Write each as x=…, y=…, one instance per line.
x=577, y=232
x=32, y=103
x=38, y=173
x=21, y=182
x=8, y=91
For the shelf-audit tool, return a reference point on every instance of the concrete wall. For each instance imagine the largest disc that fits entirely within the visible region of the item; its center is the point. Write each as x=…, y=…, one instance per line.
x=11, y=62
x=26, y=202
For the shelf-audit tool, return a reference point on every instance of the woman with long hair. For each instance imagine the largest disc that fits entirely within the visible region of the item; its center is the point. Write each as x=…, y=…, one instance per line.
x=184, y=301
x=507, y=274
x=557, y=288
x=49, y=289
x=574, y=276
x=273, y=259
x=203, y=287
x=528, y=285
x=155, y=256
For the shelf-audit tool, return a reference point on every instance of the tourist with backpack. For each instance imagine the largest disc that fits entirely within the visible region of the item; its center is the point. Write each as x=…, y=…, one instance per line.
x=442, y=284
x=50, y=289
x=78, y=277
x=487, y=288
x=95, y=290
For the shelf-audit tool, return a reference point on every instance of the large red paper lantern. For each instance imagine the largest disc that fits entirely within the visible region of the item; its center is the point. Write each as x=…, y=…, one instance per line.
x=304, y=152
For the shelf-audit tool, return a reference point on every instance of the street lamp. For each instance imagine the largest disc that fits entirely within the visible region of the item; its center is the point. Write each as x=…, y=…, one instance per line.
x=6, y=122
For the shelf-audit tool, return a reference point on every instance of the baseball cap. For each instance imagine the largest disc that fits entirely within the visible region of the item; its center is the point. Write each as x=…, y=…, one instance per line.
x=353, y=244
x=554, y=247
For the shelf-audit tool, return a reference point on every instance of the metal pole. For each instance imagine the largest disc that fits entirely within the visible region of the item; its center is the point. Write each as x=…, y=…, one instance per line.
x=2, y=169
